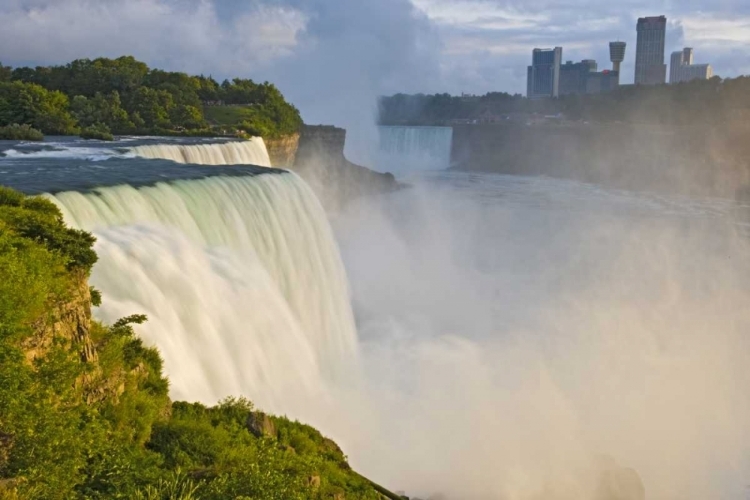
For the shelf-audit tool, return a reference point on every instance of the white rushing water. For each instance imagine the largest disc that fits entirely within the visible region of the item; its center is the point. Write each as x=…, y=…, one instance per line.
x=250, y=152
x=404, y=149
x=240, y=277
x=517, y=336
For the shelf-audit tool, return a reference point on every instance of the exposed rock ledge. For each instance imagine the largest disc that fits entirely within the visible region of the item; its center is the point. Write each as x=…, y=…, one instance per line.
x=282, y=150
x=319, y=159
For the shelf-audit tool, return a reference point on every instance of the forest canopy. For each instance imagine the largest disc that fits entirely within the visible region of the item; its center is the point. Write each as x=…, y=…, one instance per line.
x=125, y=96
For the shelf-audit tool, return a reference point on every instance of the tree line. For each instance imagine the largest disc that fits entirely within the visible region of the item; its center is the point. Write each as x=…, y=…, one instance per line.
x=125, y=96
x=707, y=102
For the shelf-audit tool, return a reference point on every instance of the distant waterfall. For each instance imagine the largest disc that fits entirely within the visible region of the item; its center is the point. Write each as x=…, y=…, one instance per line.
x=240, y=277
x=414, y=148
x=250, y=152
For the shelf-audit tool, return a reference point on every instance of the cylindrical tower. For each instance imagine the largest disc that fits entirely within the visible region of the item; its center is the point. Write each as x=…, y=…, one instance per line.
x=616, y=54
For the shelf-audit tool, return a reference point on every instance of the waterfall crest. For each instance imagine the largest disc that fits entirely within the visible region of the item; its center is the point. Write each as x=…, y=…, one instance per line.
x=250, y=152
x=240, y=277
x=417, y=148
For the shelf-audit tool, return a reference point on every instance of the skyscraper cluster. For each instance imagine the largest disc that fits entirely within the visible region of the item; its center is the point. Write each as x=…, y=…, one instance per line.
x=682, y=69
x=548, y=77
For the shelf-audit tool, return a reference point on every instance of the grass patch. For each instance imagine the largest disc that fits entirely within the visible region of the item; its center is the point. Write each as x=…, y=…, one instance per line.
x=227, y=115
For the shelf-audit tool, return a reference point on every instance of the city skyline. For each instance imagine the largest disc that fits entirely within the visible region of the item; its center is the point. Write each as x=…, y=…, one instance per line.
x=351, y=52
x=650, y=68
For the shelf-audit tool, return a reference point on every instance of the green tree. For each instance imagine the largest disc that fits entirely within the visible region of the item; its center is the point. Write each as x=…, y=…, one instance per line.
x=106, y=110
x=6, y=73
x=126, y=96
x=31, y=104
x=153, y=106
x=189, y=117
x=208, y=89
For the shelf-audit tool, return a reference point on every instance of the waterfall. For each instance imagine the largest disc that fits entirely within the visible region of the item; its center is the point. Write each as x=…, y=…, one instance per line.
x=250, y=152
x=240, y=277
x=414, y=148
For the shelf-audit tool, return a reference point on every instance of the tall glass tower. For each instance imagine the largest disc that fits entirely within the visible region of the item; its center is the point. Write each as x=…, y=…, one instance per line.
x=649, y=51
x=544, y=73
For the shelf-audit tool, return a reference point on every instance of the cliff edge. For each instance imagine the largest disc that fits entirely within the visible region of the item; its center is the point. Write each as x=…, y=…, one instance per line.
x=320, y=161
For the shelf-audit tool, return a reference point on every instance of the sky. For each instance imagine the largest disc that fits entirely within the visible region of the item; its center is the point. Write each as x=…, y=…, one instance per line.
x=332, y=57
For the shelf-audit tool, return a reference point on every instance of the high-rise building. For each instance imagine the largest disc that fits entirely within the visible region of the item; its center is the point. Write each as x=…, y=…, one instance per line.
x=617, y=54
x=573, y=76
x=682, y=69
x=544, y=73
x=649, y=51
x=591, y=64
x=601, y=82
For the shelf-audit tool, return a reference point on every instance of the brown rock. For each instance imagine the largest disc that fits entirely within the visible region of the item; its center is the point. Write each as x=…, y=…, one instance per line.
x=282, y=150
x=313, y=482
x=261, y=425
x=6, y=444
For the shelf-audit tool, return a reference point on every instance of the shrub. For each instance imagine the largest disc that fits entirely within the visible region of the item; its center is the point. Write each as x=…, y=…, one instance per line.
x=16, y=132
x=98, y=131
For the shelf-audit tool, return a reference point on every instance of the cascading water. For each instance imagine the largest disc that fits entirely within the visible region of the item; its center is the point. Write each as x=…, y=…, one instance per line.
x=250, y=152
x=240, y=277
x=414, y=148
x=511, y=330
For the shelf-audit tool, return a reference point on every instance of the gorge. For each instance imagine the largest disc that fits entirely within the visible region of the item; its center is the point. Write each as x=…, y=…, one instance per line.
x=514, y=336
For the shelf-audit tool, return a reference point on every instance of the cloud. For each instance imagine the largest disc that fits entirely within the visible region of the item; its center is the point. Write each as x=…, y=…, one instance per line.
x=333, y=57
x=176, y=35
x=350, y=52
x=491, y=40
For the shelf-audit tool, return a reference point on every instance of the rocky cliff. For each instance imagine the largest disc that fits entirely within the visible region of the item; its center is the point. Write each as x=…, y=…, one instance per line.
x=67, y=321
x=321, y=162
x=283, y=150
x=684, y=160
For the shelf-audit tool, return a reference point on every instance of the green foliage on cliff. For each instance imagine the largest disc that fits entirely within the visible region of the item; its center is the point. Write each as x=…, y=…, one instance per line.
x=128, y=97
x=258, y=109
x=84, y=410
x=32, y=272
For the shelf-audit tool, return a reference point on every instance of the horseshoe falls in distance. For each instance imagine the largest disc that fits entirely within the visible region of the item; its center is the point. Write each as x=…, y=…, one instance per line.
x=402, y=149
x=240, y=277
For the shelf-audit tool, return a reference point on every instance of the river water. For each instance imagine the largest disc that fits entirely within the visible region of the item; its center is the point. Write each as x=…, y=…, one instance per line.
x=476, y=336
